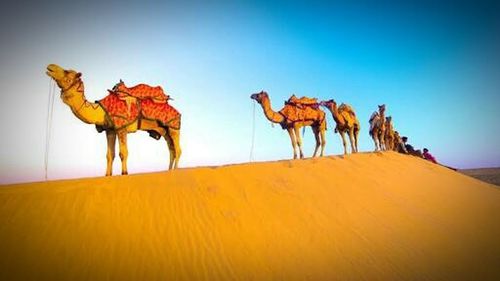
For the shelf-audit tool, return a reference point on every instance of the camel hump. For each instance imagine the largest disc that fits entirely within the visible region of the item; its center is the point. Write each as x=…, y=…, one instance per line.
x=347, y=108
x=142, y=91
x=302, y=101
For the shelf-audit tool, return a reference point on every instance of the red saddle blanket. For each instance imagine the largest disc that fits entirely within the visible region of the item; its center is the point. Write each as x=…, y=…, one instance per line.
x=141, y=91
x=123, y=112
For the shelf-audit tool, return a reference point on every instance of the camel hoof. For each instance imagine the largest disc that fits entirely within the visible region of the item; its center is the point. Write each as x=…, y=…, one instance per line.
x=124, y=173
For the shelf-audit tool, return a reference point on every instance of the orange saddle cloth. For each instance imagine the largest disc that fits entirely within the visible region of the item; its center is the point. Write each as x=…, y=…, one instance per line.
x=307, y=113
x=302, y=101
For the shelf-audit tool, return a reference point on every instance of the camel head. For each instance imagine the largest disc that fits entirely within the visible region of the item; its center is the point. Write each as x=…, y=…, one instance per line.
x=65, y=79
x=260, y=96
x=381, y=108
x=328, y=103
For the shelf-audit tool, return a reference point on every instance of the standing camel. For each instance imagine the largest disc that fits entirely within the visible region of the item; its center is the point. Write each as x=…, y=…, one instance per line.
x=377, y=127
x=389, y=134
x=72, y=94
x=346, y=121
x=313, y=117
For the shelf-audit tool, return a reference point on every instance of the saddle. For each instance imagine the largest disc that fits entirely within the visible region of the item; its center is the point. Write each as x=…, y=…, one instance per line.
x=302, y=102
x=141, y=92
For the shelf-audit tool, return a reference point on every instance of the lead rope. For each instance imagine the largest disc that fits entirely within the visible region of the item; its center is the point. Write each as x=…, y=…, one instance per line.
x=50, y=111
x=253, y=134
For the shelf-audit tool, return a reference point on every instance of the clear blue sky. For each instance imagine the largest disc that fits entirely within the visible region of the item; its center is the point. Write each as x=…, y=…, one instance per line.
x=435, y=65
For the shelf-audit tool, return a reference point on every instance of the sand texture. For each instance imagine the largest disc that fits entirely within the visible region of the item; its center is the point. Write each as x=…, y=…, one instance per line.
x=370, y=216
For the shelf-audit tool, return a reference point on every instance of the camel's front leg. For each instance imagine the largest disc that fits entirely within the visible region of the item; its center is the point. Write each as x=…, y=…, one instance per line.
x=110, y=155
x=299, y=140
x=342, y=136
x=382, y=141
x=375, y=140
x=292, y=139
x=122, y=139
x=323, y=140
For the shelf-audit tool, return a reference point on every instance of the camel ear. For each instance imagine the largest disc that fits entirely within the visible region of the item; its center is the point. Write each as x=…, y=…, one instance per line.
x=78, y=75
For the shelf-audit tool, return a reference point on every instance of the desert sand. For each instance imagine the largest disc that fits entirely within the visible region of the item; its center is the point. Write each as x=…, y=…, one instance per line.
x=490, y=175
x=370, y=216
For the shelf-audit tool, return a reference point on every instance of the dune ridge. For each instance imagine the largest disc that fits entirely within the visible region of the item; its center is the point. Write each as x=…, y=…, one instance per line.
x=368, y=216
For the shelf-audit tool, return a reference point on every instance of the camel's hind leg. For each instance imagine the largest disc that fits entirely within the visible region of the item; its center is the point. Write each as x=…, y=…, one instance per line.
x=356, y=134
x=122, y=139
x=175, y=136
x=171, y=150
x=351, y=139
x=318, y=140
x=110, y=155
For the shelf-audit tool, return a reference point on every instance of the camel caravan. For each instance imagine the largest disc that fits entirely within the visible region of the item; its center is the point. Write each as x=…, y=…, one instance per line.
x=142, y=107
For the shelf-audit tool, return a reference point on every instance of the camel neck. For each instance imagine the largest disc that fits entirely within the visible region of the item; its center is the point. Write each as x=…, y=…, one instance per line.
x=271, y=115
x=336, y=116
x=90, y=113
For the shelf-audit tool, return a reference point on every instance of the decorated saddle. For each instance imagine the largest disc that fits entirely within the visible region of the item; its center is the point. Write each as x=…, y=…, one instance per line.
x=302, y=102
x=141, y=91
x=294, y=114
x=125, y=105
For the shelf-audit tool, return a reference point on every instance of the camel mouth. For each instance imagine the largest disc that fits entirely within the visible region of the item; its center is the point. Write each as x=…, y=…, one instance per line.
x=254, y=96
x=53, y=70
x=50, y=71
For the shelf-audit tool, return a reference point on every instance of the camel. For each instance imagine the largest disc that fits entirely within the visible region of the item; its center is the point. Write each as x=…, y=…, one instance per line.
x=389, y=134
x=377, y=127
x=347, y=122
x=316, y=120
x=72, y=94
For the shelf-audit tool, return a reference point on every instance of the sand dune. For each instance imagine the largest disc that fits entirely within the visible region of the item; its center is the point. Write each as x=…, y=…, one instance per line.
x=489, y=175
x=372, y=216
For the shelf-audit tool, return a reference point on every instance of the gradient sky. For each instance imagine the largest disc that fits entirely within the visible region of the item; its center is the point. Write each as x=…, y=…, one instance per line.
x=435, y=65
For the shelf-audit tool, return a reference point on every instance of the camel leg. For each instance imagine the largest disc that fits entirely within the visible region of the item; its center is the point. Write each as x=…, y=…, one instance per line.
x=342, y=135
x=351, y=139
x=294, y=143
x=323, y=140
x=171, y=149
x=176, y=141
x=375, y=140
x=318, y=140
x=356, y=133
x=110, y=155
x=122, y=140
x=299, y=140
x=382, y=141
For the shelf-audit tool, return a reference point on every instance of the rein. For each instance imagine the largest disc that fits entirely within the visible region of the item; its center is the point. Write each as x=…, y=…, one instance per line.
x=50, y=111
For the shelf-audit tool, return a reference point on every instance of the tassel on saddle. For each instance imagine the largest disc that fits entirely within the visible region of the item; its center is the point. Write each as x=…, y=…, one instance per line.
x=154, y=134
